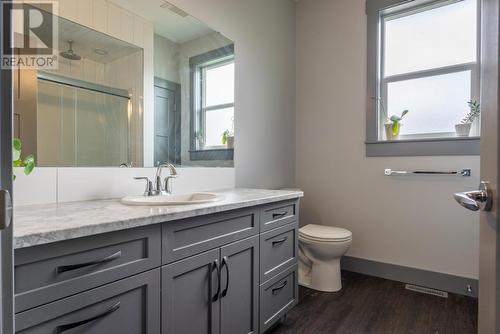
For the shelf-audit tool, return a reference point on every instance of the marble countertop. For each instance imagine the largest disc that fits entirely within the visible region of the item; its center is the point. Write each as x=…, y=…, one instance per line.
x=41, y=224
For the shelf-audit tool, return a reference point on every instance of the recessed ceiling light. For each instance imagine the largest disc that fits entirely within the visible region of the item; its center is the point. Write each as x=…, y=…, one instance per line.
x=101, y=52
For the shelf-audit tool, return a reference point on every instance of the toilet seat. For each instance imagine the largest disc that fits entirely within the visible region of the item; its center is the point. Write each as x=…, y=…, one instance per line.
x=322, y=233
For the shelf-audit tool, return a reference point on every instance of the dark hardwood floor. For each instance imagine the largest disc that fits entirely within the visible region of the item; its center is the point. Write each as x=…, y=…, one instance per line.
x=373, y=305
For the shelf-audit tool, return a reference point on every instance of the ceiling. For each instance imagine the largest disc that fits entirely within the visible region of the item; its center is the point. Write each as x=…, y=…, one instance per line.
x=86, y=41
x=167, y=22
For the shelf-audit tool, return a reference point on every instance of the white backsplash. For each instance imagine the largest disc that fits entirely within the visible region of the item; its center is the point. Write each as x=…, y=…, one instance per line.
x=51, y=185
x=38, y=188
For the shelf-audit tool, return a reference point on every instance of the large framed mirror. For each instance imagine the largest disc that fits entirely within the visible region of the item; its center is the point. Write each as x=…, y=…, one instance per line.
x=165, y=94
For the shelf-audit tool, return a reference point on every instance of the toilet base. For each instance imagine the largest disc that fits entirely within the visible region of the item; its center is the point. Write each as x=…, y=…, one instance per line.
x=326, y=276
x=319, y=264
x=304, y=269
x=305, y=276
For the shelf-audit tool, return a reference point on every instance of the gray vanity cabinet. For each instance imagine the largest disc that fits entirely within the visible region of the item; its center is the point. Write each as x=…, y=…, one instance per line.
x=230, y=272
x=214, y=292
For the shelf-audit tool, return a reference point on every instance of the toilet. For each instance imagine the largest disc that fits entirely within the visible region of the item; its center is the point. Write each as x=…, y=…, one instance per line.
x=320, y=250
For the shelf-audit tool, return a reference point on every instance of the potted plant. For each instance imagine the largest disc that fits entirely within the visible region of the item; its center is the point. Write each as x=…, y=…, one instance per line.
x=228, y=139
x=17, y=161
x=463, y=129
x=200, y=139
x=393, y=126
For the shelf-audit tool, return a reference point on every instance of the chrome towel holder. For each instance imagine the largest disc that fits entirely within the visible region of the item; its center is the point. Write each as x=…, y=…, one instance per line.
x=466, y=172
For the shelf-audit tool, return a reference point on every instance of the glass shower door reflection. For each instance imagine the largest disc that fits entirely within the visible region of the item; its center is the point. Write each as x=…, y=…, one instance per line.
x=80, y=127
x=102, y=132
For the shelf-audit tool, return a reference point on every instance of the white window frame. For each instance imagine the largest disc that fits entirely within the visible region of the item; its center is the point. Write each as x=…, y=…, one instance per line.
x=379, y=12
x=203, y=108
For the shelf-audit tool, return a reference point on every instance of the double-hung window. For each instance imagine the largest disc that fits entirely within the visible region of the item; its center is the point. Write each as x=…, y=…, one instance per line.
x=217, y=99
x=424, y=58
x=212, y=103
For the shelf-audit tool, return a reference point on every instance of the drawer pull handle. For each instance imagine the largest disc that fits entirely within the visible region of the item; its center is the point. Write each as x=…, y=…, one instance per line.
x=62, y=269
x=225, y=263
x=67, y=327
x=279, y=288
x=277, y=215
x=215, y=266
x=279, y=241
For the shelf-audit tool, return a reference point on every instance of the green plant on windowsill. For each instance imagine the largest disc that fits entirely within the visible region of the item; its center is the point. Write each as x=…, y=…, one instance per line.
x=475, y=111
x=395, y=122
x=17, y=161
x=392, y=124
x=228, y=139
x=463, y=129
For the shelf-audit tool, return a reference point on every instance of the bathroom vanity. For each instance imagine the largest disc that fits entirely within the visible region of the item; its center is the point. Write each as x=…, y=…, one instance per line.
x=102, y=267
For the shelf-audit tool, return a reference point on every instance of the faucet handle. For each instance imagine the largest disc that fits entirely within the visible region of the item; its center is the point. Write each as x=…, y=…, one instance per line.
x=149, y=185
x=168, y=183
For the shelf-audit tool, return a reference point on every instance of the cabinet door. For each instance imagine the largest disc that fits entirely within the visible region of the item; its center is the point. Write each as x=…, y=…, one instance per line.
x=240, y=286
x=188, y=290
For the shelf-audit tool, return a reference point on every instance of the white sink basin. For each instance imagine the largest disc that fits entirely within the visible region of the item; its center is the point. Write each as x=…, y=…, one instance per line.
x=193, y=198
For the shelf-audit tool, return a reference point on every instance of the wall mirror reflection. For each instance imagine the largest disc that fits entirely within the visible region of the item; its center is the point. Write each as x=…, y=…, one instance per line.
x=160, y=89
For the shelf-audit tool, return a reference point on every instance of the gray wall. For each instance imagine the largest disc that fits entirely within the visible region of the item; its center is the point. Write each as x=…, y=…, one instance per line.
x=265, y=84
x=410, y=221
x=166, y=59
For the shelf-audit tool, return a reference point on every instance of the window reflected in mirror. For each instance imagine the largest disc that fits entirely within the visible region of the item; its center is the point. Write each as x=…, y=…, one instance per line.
x=213, y=104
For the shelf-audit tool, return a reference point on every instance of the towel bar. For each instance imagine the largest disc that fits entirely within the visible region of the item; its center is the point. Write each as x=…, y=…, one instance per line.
x=462, y=172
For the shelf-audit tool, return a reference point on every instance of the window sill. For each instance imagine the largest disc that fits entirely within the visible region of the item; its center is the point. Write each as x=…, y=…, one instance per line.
x=424, y=147
x=212, y=154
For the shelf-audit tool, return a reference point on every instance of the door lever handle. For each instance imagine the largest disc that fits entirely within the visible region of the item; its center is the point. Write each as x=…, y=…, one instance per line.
x=5, y=209
x=477, y=199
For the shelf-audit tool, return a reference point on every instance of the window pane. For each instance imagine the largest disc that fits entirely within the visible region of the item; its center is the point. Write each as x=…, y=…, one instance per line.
x=434, y=38
x=219, y=87
x=218, y=121
x=435, y=103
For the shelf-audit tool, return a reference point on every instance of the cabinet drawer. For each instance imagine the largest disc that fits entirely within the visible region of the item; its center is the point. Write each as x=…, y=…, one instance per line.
x=131, y=305
x=188, y=237
x=278, y=250
x=277, y=297
x=278, y=214
x=53, y=271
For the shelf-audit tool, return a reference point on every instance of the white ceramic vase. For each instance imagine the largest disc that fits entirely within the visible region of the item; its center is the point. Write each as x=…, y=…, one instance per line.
x=230, y=142
x=463, y=130
x=388, y=131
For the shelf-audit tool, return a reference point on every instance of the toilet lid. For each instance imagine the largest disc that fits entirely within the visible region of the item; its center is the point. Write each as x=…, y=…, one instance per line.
x=324, y=233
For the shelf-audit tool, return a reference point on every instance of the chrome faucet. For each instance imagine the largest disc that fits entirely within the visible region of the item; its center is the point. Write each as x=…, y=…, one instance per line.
x=149, y=186
x=165, y=188
x=159, y=187
x=167, y=185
